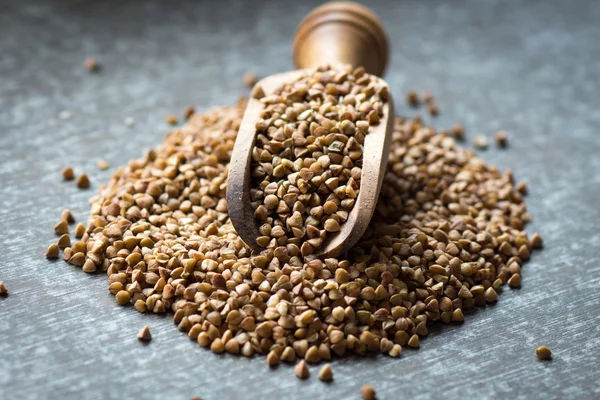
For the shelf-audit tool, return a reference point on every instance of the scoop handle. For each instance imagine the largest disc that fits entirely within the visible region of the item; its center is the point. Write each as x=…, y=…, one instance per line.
x=342, y=32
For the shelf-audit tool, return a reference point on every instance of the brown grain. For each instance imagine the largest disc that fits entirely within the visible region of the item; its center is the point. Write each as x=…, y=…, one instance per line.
x=144, y=334
x=64, y=241
x=103, y=165
x=172, y=119
x=458, y=131
x=368, y=392
x=326, y=374
x=83, y=182
x=501, y=138
x=68, y=174
x=543, y=353
x=188, y=112
x=66, y=215
x=301, y=370
x=52, y=252
x=412, y=98
x=480, y=142
x=61, y=227
x=250, y=79
x=432, y=108
x=91, y=64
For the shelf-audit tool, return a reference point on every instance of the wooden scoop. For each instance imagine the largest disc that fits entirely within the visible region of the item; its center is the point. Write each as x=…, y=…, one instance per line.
x=339, y=32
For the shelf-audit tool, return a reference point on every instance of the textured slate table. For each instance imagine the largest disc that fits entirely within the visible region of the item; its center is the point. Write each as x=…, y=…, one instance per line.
x=531, y=68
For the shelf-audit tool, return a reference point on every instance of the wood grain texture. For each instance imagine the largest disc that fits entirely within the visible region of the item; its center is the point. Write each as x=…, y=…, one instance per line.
x=530, y=68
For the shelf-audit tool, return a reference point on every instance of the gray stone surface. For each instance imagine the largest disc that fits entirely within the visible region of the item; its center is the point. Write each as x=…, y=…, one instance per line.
x=529, y=67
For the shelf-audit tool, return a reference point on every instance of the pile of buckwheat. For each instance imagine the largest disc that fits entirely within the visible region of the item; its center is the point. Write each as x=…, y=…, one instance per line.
x=446, y=236
x=307, y=158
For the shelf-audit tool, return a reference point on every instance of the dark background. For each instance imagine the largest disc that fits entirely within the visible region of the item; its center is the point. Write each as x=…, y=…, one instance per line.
x=531, y=68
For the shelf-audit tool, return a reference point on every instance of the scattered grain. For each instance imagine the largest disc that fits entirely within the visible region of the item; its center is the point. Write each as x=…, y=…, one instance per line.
x=480, y=142
x=501, y=139
x=68, y=174
x=64, y=241
x=543, y=353
x=103, y=165
x=368, y=392
x=52, y=252
x=536, y=241
x=61, y=227
x=83, y=181
x=412, y=98
x=458, y=131
x=188, y=112
x=326, y=374
x=66, y=215
x=301, y=370
x=432, y=108
x=92, y=65
x=144, y=334
x=250, y=79
x=171, y=119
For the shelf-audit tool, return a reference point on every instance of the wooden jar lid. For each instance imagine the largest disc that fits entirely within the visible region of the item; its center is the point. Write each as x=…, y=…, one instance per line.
x=342, y=32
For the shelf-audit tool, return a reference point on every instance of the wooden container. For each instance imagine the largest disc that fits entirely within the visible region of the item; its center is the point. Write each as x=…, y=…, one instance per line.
x=342, y=32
